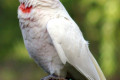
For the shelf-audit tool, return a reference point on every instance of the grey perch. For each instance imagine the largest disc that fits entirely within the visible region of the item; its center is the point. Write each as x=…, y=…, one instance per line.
x=50, y=77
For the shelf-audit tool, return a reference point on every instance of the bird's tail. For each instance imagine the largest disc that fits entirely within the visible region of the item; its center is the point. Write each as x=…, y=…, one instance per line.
x=100, y=73
x=77, y=75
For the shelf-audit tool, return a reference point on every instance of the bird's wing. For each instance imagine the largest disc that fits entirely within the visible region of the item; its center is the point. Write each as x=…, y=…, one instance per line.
x=71, y=47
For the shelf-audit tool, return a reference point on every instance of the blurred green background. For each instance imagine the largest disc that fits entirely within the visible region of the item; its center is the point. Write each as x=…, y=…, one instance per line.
x=99, y=20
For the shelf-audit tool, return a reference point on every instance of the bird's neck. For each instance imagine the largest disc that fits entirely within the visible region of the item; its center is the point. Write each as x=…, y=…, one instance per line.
x=49, y=3
x=44, y=10
x=25, y=9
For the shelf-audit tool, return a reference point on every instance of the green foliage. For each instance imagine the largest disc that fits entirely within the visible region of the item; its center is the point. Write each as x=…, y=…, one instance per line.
x=99, y=20
x=108, y=41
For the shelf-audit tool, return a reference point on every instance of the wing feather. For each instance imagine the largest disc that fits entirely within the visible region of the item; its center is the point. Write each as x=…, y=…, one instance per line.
x=71, y=46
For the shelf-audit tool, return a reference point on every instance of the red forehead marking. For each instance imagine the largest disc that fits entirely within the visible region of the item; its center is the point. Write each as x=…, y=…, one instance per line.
x=25, y=10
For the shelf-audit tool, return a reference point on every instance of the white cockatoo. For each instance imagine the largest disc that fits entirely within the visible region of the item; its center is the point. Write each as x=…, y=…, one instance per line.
x=55, y=41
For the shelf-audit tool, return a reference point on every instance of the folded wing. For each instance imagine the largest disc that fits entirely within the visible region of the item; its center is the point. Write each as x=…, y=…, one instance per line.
x=72, y=48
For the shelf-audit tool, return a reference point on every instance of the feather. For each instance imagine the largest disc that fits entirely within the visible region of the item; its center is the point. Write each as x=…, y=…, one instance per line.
x=72, y=47
x=62, y=42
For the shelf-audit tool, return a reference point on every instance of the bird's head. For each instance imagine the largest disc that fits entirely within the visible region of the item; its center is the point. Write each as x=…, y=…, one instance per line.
x=27, y=5
x=34, y=3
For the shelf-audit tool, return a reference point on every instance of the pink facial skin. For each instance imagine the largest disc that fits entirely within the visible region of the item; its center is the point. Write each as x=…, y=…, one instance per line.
x=25, y=9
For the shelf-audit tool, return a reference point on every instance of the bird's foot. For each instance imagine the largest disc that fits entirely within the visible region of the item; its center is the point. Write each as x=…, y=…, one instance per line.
x=51, y=77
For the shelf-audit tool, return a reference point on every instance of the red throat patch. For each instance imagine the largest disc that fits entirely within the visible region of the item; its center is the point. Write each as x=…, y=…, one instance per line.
x=25, y=9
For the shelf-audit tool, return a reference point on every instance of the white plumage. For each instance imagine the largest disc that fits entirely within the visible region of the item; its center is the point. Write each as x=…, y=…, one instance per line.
x=53, y=39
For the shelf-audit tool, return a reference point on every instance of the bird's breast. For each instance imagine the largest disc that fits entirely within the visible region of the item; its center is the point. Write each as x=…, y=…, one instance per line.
x=38, y=41
x=41, y=49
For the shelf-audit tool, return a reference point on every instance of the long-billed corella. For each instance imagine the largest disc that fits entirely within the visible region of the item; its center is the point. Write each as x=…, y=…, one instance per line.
x=55, y=41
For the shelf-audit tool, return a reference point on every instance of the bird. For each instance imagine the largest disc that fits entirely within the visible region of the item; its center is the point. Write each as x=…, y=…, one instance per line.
x=55, y=41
